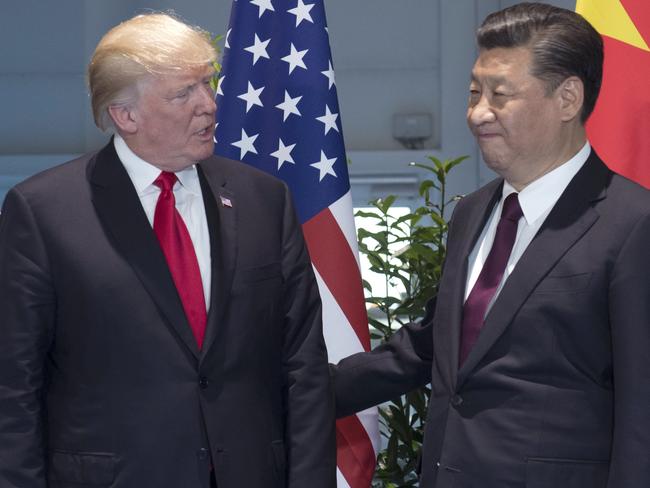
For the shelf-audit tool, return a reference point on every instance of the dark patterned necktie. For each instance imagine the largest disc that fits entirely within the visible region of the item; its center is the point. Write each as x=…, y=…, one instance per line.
x=488, y=280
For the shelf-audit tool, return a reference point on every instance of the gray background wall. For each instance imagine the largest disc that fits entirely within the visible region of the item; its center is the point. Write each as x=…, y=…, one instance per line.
x=391, y=57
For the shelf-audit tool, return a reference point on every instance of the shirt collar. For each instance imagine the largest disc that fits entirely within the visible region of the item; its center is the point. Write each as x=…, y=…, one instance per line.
x=143, y=174
x=538, y=197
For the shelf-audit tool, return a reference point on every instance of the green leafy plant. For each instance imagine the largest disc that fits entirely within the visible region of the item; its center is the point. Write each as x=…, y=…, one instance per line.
x=216, y=64
x=419, y=237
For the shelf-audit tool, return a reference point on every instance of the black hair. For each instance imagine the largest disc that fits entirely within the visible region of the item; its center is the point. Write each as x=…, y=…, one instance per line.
x=562, y=44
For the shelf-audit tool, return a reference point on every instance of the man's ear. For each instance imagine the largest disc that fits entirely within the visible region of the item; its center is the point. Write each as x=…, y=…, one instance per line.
x=124, y=118
x=571, y=96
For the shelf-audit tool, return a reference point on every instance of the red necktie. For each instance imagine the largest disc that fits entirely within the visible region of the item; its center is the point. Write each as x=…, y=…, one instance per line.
x=177, y=246
x=488, y=280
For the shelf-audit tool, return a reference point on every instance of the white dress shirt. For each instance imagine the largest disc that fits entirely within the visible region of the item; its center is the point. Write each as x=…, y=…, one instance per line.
x=536, y=201
x=189, y=203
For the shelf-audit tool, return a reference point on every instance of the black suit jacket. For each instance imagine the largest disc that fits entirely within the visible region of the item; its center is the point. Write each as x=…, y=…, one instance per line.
x=101, y=380
x=556, y=391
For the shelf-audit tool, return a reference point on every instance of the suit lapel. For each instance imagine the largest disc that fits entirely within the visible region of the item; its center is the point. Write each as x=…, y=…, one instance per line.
x=467, y=227
x=569, y=220
x=121, y=213
x=221, y=211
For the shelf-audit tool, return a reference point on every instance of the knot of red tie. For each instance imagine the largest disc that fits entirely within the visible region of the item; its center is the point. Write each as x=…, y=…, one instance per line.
x=165, y=181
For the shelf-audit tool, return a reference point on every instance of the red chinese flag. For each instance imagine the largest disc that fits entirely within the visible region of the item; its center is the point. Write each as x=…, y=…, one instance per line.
x=619, y=128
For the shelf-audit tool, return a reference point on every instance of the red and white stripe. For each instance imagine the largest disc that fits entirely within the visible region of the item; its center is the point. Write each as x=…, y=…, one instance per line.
x=332, y=243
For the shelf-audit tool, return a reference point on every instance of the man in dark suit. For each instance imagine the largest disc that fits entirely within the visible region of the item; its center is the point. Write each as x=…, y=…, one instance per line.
x=160, y=322
x=537, y=351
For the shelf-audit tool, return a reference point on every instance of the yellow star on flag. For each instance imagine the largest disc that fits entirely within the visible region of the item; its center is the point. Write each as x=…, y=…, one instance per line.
x=610, y=18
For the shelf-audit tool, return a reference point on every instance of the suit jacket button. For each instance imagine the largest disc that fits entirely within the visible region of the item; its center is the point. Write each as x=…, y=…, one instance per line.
x=203, y=382
x=203, y=454
x=456, y=400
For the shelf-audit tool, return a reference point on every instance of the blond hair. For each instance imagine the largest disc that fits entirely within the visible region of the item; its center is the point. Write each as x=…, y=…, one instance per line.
x=145, y=45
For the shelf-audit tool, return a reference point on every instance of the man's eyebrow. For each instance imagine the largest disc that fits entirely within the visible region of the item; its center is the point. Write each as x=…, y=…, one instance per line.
x=493, y=79
x=185, y=86
x=473, y=78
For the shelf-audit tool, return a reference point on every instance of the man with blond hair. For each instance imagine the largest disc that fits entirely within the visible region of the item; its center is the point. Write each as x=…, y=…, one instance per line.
x=160, y=320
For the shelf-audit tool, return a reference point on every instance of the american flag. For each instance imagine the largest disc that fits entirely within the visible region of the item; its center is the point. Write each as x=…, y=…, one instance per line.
x=278, y=111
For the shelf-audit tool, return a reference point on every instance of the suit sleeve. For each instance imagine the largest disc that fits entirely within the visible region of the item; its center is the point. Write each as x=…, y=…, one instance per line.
x=27, y=310
x=630, y=329
x=310, y=405
x=396, y=367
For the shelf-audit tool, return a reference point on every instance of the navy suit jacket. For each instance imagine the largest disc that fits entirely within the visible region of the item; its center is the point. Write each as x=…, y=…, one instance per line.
x=101, y=380
x=556, y=391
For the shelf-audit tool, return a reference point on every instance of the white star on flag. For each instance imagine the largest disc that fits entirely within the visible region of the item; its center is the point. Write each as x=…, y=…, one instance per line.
x=329, y=119
x=214, y=137
x=329, y=73
x=227, y=44
x=325, y=166
x=301, y=11
x=289, y=106
x=263, y=6
x=219, y=83
x=294, y=58
x=252, y=97
x=245, y=144
x=283, y=154
x=258, y=49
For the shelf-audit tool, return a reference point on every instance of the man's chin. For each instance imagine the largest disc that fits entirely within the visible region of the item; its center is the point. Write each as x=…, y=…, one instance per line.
x=206, y=151
x=489, y=158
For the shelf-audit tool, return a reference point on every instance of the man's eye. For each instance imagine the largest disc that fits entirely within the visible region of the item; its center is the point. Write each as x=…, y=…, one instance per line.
x=208, y=85
x=182, y=94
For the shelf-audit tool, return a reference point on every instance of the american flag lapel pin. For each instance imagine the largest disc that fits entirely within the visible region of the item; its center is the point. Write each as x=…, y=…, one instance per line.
x=225, y=201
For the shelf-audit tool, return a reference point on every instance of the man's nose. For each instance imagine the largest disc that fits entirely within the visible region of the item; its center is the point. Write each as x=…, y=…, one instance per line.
x=207, y=102
x=481, y=112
